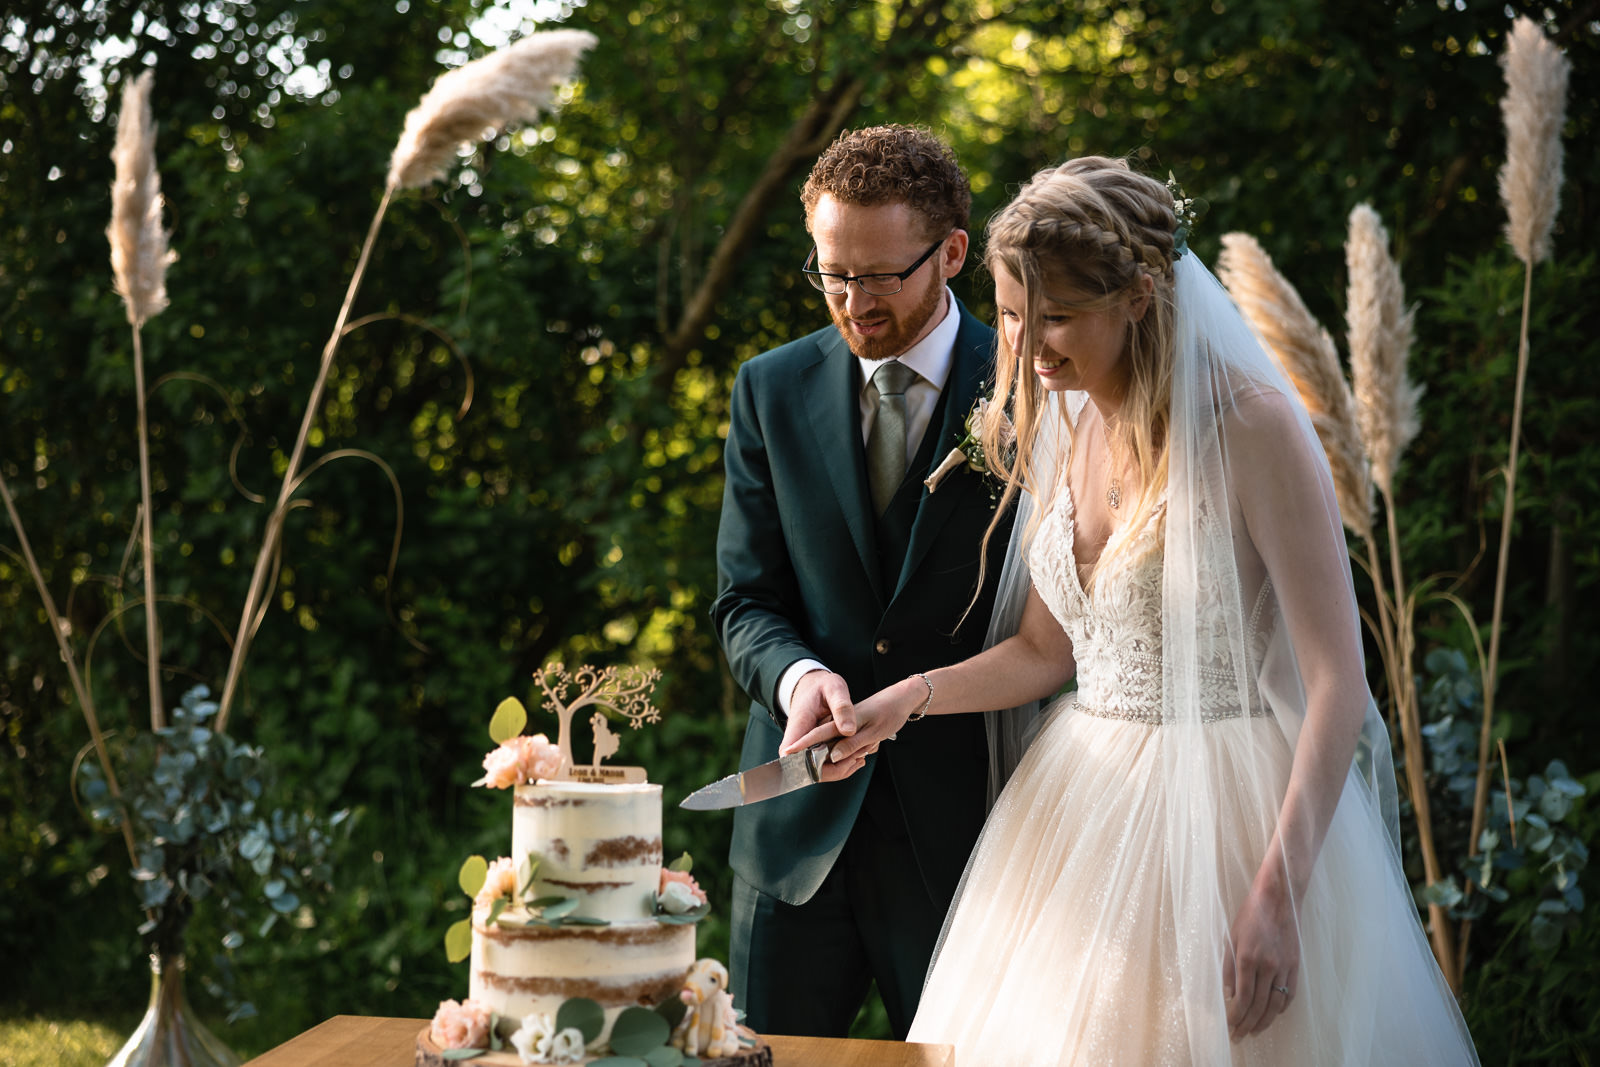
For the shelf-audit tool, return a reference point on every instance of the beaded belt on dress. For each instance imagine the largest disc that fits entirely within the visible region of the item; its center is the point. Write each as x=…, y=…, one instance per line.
x=1154, y=717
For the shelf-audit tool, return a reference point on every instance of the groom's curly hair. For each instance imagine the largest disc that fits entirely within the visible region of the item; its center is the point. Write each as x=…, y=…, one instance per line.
x=893, y=165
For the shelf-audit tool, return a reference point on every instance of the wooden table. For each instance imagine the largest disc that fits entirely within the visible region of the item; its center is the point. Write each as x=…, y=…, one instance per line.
x=370, y=1041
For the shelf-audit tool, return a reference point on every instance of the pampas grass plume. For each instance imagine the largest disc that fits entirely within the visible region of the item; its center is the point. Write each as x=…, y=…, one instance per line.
x=1380, y=342
x=506, y=87
x=1534, y=107
x=1300, y=345
x=139, y=253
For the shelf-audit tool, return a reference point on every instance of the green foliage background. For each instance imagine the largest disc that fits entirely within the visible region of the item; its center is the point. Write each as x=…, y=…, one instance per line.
x=569, y=510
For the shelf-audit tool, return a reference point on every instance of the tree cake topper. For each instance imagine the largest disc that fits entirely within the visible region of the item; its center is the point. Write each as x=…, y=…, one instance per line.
x=622, y=690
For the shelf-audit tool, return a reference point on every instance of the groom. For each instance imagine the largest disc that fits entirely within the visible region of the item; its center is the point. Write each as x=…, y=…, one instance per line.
x=838, y=574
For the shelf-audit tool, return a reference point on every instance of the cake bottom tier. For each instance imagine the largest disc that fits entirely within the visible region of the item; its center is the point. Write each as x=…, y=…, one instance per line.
x=518, y=970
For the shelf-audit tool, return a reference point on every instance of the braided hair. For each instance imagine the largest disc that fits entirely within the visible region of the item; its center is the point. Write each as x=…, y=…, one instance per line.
x=1089, y=226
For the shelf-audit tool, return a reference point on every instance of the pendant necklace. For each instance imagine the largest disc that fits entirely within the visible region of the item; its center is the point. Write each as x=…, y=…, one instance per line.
x=1114, y=490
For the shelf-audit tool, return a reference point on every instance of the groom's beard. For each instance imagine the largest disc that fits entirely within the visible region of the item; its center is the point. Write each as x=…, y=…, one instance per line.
x=898, y=334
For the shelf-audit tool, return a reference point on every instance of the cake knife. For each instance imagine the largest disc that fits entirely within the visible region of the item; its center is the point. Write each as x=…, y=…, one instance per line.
x=783, y=775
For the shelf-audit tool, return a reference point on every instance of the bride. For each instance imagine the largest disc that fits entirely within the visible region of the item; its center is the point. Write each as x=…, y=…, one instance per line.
x=1195, y=860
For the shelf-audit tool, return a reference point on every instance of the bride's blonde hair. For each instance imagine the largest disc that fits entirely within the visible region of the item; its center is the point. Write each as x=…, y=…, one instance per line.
x=1091, y=226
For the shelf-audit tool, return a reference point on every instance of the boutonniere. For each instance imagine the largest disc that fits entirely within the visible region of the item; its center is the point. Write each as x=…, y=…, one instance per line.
x=968, y=451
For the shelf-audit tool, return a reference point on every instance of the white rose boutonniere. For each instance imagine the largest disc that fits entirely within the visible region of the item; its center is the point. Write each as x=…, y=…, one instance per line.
x=969, y=450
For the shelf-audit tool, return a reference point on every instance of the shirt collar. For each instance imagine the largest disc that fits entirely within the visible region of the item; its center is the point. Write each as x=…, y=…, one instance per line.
x=930, y=357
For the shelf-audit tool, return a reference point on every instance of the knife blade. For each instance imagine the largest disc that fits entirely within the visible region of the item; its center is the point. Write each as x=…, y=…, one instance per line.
x=783, y=775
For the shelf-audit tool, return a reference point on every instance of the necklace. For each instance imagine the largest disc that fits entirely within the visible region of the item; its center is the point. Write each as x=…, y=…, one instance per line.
x=1114, y=494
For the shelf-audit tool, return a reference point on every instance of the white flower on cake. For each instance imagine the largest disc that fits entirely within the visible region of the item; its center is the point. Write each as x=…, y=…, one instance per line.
x=678, y=893
x=535, y=1038
x=568, y=1046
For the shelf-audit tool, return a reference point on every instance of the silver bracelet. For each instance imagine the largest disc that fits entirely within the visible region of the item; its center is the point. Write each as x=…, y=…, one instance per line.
x=926, y=704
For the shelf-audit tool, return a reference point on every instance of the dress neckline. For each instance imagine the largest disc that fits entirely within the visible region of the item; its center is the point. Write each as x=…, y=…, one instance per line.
x=1071, y=518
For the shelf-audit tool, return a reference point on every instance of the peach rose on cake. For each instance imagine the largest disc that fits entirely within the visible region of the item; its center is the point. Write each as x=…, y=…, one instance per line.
x=537, y=758
x=501, y=768
x=679, y=892
x=520, y=761
x=463, y=1025
x=501, y=881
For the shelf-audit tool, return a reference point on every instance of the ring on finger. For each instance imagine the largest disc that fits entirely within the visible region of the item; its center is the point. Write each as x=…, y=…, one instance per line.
x=1284, y=990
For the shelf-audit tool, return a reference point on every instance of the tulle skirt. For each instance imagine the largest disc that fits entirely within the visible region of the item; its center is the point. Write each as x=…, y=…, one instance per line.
x=1066, y=944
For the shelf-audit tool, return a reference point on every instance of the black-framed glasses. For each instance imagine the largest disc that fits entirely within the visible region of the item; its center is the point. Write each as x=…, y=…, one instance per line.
x=871, y=284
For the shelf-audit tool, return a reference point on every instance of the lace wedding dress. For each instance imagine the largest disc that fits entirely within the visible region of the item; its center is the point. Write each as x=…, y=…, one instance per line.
x=1067, y=941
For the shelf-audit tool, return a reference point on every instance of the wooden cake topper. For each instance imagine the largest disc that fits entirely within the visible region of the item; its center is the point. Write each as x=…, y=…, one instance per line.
x=624, y=690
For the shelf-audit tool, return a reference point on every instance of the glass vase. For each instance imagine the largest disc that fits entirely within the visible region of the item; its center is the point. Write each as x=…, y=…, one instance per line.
x=171, y=1034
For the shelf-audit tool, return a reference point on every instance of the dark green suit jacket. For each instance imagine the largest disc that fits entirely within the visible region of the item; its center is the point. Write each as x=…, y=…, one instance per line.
x=800, y=573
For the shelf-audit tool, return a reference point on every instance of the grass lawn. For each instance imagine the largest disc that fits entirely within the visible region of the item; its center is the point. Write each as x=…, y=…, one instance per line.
x=37, y=1041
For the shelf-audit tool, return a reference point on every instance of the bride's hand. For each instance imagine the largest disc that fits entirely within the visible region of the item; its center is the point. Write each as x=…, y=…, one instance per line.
x=819, y=710
x=877, y=719
x=1264, y=959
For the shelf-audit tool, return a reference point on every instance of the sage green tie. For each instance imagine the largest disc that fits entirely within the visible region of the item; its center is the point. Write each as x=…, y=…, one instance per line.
x=886, y=444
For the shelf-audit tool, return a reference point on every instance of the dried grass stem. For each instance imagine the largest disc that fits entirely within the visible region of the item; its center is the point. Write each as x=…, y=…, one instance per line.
x=58, y=626
x=1308, y=356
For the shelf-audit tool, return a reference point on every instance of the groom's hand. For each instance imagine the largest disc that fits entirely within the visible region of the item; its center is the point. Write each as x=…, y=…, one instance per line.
x=820, y=710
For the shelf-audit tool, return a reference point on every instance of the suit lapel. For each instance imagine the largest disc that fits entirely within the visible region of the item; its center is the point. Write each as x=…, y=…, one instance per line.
x=969, y=369
x=829, y=402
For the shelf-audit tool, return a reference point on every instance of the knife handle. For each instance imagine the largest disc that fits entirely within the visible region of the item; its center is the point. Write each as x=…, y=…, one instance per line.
x=816, y=756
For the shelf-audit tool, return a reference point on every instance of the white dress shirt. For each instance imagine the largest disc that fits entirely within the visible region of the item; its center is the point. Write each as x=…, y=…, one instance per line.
x=930, y=358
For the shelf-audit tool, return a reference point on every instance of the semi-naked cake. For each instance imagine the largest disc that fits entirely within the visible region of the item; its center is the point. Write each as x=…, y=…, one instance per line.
x=601, y=846
x=581, y=945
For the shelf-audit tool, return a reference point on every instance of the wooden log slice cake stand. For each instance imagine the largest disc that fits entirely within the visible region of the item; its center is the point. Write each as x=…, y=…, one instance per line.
x=430, y=1055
